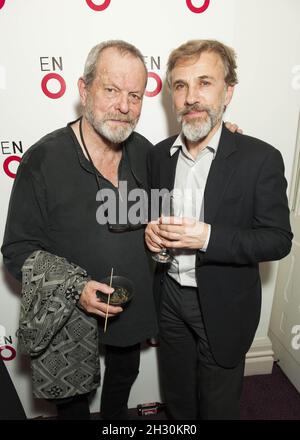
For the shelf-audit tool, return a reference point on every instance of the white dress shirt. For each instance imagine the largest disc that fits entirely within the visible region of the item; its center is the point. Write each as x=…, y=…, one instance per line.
x=190, y=180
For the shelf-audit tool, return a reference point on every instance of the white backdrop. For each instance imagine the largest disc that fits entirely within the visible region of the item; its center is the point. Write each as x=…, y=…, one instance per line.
x=42, y=37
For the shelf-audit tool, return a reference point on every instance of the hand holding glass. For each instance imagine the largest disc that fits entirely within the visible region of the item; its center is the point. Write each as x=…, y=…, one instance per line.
x=169, y=208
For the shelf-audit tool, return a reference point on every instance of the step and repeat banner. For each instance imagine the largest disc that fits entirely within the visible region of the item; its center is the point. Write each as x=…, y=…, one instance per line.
x=43, y=47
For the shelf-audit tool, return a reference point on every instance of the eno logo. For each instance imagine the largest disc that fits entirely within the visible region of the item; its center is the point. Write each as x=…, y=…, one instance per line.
x=104, y=5
x=197, y=9
x=53, y=77
x=158, y=85
x=7, y=165
x=7, y=352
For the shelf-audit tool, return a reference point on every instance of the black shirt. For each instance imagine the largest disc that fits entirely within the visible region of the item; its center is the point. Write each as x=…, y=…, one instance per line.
x=53, y=207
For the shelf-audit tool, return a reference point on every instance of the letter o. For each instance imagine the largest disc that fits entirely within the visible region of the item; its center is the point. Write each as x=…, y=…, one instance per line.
x=2, y=3
x=47, y=92
x=104, y=5
x=200, y=9
x=9, y=348
x=6, y=164
x=158, y=85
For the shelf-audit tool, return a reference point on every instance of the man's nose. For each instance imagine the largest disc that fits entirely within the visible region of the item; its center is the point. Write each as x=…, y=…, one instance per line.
x=192, y=95
x=123, y=103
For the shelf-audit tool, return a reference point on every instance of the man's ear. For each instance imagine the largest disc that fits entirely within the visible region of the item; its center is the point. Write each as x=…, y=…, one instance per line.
x=82, y=90
x=229, y=94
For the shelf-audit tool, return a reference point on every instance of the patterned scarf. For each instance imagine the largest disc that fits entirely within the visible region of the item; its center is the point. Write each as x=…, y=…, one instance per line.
x=61, y=339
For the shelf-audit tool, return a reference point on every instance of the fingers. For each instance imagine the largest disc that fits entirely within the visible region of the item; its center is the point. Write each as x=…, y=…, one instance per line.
x=152, y=246
x=92, y=304
x=171, y=228
x=99, y=308
x=101, y=286
x=190, y=235
x=170, y=235
x=173, y=232
x=152, y=237
x=111, y=311
x=233, y=127
x=173, y=244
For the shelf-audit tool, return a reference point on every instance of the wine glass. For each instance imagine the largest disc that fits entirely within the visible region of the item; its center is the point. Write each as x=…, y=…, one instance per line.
x=169, y=208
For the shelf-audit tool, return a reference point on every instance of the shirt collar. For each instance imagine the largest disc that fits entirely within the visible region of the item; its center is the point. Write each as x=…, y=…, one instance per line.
x=213, y=143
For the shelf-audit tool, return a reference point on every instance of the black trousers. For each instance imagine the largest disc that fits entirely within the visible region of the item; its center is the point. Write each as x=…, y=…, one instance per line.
x=121, y=369
x=73, y=408
x=194, y=385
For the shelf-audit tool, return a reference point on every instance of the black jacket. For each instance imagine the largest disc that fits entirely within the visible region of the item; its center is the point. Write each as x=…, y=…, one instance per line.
x=245, y=202
x=53, y=208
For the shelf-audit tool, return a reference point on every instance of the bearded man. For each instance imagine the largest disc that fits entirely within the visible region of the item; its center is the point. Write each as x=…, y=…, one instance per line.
x=209, y=296
x=53, y=235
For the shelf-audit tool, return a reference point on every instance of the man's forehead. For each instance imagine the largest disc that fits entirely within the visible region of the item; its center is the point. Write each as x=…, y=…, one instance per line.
x=111, y=57
x=112, y=62
x=207, y=63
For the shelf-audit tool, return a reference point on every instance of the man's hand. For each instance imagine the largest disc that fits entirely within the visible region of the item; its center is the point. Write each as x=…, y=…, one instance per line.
x=91, y=304
x=182, y=233
x=152, y=237
x=233, y=127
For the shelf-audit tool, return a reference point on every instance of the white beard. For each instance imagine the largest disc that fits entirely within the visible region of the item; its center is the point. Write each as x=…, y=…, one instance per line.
x=196, y=130
x=114, y=135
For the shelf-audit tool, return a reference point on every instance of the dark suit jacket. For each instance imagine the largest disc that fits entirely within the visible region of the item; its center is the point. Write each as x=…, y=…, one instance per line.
x=245, y=202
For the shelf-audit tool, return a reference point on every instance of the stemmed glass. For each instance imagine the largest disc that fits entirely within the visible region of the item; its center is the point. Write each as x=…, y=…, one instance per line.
x=169, y=208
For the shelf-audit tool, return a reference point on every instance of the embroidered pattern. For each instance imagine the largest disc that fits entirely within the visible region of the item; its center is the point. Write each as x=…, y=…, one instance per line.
x=61, y=338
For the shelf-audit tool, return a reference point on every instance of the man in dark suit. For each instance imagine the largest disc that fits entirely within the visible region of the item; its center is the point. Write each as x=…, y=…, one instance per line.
x=210, y=293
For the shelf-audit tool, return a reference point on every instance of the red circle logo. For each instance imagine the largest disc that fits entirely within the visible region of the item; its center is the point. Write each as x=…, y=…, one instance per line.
x=158, y=85
x=61, y=81
x=7, y=163
x=198, y=10
x=104, y=5
x=2, y=2
x=6, y=357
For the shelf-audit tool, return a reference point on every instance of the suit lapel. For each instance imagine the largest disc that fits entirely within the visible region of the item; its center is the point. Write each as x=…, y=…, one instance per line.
x=221, y=171
x=168, y=170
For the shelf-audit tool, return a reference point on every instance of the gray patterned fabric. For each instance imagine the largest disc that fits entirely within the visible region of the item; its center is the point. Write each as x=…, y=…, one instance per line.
x=61, y=339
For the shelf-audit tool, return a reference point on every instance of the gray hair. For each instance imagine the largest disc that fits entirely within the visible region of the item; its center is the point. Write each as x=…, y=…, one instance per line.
x=92, y=59
x=194, y=48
